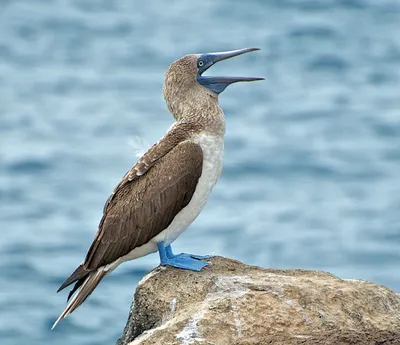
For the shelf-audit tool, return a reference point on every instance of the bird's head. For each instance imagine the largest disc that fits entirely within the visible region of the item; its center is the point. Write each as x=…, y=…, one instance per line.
x=185, y=85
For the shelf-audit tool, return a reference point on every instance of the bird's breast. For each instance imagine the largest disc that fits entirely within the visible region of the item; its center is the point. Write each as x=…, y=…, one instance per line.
x=213, y=149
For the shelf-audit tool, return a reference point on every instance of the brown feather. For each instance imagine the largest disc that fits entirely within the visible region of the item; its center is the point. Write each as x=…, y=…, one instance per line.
x=129, y=211
x=144, y=207
x=85, y=289
x=79, y=273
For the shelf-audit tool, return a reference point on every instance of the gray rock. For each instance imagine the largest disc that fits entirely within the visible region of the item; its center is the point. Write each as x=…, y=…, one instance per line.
x=231, y=303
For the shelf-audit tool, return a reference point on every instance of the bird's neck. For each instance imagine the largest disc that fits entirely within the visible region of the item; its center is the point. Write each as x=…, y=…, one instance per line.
x=202, y=111
x=210, y=118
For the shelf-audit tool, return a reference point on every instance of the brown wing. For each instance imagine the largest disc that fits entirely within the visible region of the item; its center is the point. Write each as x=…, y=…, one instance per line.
x=140, y=208
x=133, y=211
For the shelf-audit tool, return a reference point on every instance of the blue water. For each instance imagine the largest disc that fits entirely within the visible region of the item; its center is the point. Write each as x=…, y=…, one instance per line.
x=312, y=164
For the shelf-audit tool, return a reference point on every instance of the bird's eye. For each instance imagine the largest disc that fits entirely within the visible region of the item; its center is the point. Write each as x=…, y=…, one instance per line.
x=201, y=63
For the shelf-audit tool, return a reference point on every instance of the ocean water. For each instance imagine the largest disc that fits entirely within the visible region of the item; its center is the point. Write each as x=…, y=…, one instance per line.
x=312, y=165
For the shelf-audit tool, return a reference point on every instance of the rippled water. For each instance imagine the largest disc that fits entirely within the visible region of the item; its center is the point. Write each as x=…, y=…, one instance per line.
x=312, y=164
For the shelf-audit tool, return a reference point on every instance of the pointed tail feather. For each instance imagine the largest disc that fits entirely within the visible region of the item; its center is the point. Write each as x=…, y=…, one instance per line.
x=85, y=289
x=78, y=274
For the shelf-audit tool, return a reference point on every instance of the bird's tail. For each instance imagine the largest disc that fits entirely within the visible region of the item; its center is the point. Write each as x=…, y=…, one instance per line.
x=86, y=287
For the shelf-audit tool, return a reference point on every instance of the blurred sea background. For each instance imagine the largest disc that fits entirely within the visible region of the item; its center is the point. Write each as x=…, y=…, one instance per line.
x=312, y=164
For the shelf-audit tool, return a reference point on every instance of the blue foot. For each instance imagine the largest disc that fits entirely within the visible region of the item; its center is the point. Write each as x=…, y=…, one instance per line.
x=184, y=261
x=170, y=254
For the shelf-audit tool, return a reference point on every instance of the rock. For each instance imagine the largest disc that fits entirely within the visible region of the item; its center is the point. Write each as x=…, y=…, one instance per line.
x=231, y=303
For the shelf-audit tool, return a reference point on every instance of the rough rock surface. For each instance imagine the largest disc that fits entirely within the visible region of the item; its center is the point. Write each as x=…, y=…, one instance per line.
x=231, y=303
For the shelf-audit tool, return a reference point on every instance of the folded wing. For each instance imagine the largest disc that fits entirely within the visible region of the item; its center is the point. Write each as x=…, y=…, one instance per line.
x=145, y=202
x=143, y=207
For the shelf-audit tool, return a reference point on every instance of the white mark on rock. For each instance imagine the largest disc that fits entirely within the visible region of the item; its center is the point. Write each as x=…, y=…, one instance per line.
x=290, y=302
x=148, y=334
x=355, y=280
x=224, y=287
x=229, y=287
x=172, y=305
x=301, y=336
x=190, y=332
x=238, y=324
x=151, y=274
x=278, y=290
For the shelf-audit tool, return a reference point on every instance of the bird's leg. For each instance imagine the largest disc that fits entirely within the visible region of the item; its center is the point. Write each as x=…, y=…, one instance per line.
x=167, y=258
x=170, y=254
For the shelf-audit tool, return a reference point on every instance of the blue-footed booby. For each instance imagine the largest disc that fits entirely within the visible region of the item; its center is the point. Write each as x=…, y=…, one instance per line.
x=164, y=192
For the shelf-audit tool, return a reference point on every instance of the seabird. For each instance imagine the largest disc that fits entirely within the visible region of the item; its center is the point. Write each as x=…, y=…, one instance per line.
x=164, y=192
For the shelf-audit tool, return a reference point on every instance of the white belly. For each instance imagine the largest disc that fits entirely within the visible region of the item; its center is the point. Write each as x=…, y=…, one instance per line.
x=213, y=149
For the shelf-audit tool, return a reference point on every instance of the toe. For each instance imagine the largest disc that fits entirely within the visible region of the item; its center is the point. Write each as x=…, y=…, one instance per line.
x=185, y=263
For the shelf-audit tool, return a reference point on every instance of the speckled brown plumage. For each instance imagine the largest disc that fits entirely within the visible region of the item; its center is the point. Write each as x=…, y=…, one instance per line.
x=139, y=208
x=143, y=207
x=190, y=102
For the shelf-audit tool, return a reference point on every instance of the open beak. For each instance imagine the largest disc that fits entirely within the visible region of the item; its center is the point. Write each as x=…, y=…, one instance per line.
x=219, y=84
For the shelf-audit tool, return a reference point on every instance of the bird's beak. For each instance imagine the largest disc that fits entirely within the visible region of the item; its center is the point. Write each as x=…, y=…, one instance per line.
x=218, y=84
